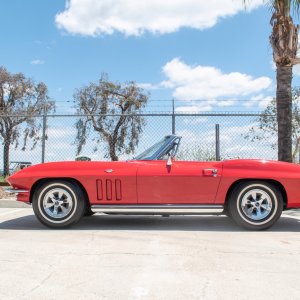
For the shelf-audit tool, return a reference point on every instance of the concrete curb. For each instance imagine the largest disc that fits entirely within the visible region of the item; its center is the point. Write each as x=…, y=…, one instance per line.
x=12, y=203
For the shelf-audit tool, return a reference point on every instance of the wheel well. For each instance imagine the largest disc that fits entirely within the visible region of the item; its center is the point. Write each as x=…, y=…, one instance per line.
x=274, y=182
x=38, y=183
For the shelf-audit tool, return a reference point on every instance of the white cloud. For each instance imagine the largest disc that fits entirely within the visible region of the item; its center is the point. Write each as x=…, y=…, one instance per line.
x=260, y=101
x=37, y=62
x=61, y=132
x=196, y=108
x=149, y=86
x=135, y=17
x=205, y=82
x=200, y=88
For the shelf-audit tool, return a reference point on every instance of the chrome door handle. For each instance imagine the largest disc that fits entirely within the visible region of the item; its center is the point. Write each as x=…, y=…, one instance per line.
x=109, y=170
x=210, y=172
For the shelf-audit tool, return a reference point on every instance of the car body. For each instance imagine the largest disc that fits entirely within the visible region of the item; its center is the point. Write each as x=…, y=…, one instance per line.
x=252, y=192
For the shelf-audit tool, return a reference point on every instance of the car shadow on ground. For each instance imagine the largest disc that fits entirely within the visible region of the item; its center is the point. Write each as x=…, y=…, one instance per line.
x=151, y=223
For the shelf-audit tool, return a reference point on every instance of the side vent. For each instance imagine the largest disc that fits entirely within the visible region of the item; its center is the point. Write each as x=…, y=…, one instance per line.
x=108, y=190
x=99, y=189
x=118, y=189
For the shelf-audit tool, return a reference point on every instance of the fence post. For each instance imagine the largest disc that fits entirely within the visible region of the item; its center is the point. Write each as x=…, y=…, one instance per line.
x=173, y=116
x=218, y=142
x=44, y=134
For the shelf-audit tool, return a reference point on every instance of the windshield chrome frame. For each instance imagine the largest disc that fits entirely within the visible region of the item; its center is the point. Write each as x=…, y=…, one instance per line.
x=169, y=143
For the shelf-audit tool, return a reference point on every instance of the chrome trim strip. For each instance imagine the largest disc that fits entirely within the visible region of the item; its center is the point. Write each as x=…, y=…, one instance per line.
x=15, y=191
x=159, y=209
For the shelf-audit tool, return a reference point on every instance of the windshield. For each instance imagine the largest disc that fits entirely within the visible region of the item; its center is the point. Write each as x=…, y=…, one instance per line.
x=147, y=154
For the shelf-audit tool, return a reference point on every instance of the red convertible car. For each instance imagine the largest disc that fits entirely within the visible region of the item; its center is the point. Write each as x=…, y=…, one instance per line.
x=252, y=192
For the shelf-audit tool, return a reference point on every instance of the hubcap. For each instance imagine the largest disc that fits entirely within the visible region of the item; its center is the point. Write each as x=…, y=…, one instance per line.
x=256, y=204
x=57, y=203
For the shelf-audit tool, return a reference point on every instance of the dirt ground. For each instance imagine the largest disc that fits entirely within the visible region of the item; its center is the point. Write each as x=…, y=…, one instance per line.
x=4, y=195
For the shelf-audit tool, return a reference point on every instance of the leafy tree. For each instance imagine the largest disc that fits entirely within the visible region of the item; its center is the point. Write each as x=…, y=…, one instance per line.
x=21, y=100
x=197, y=153
x=112, y=110
x=284, y=42
x=267, y=126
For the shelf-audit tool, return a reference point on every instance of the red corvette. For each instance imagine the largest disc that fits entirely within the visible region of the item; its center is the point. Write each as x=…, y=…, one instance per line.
x=252, y=192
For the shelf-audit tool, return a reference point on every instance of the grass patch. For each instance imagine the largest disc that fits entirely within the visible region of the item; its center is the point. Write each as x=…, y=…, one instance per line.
x=2, y=179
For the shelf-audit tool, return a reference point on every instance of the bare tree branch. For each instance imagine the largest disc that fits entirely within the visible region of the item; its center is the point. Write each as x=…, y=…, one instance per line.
x=21, y=99
x=97, y=101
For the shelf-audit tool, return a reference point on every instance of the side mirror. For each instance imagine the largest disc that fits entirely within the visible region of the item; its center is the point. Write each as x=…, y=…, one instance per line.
x=169, y=161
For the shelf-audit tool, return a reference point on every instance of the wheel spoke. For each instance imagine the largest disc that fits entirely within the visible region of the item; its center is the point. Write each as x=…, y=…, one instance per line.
x=250, y=210
x=258, y=212
x=66, y=200
x=60, y=194
x=253, y=195
x=266, y=207
x=48, y=205
x=63, y=209
x=55, y=210
x=262, y=200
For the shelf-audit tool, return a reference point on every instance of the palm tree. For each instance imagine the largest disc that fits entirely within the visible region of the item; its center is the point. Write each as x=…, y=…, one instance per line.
x=284, y=42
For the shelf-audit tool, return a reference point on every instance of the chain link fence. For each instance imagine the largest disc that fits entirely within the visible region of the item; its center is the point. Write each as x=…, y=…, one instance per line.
x=207, y=136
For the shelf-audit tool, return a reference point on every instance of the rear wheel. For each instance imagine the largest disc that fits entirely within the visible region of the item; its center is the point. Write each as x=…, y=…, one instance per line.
x=255, y=205
x=59, y=204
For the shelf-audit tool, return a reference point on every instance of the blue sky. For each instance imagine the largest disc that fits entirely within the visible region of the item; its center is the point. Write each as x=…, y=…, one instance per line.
x=182, y=50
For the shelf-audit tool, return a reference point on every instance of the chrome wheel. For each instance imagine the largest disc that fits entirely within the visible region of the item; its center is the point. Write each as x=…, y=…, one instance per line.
x=256, y=204
x=57, y=203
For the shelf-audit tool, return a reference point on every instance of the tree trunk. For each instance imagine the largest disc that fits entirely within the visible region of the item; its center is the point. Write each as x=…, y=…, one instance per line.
x=284, y=112
x=112, y=152
x=6, y=156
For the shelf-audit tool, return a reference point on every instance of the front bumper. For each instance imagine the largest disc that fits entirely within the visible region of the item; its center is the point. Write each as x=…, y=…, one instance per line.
x=15, y=191
x=22, y=195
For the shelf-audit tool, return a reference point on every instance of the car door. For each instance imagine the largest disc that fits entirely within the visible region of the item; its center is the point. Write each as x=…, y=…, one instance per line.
x=115, y=183
x=182, y=182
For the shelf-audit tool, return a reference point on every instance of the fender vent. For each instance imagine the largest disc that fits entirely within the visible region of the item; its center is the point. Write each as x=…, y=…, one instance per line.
x=99, y=190
x=118, y=189
x=109, y=190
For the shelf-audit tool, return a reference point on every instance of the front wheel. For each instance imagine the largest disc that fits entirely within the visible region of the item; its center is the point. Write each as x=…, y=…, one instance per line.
x=59, y=204
x=255, y=205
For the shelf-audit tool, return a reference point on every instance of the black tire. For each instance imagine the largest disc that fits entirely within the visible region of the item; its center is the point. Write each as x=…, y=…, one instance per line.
x=59, y=204
x=88, y=211
x=255, y=205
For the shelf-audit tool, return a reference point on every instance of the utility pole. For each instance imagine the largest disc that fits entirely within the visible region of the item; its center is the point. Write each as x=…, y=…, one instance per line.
x=44, y=132
x=173, y=116
x=218, y=156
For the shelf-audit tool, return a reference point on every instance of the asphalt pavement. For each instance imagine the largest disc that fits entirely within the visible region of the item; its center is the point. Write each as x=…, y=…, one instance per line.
x=147, y=257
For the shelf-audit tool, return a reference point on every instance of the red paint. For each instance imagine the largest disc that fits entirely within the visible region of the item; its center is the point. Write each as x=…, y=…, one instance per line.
x=153, y=182
x=183, y=182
